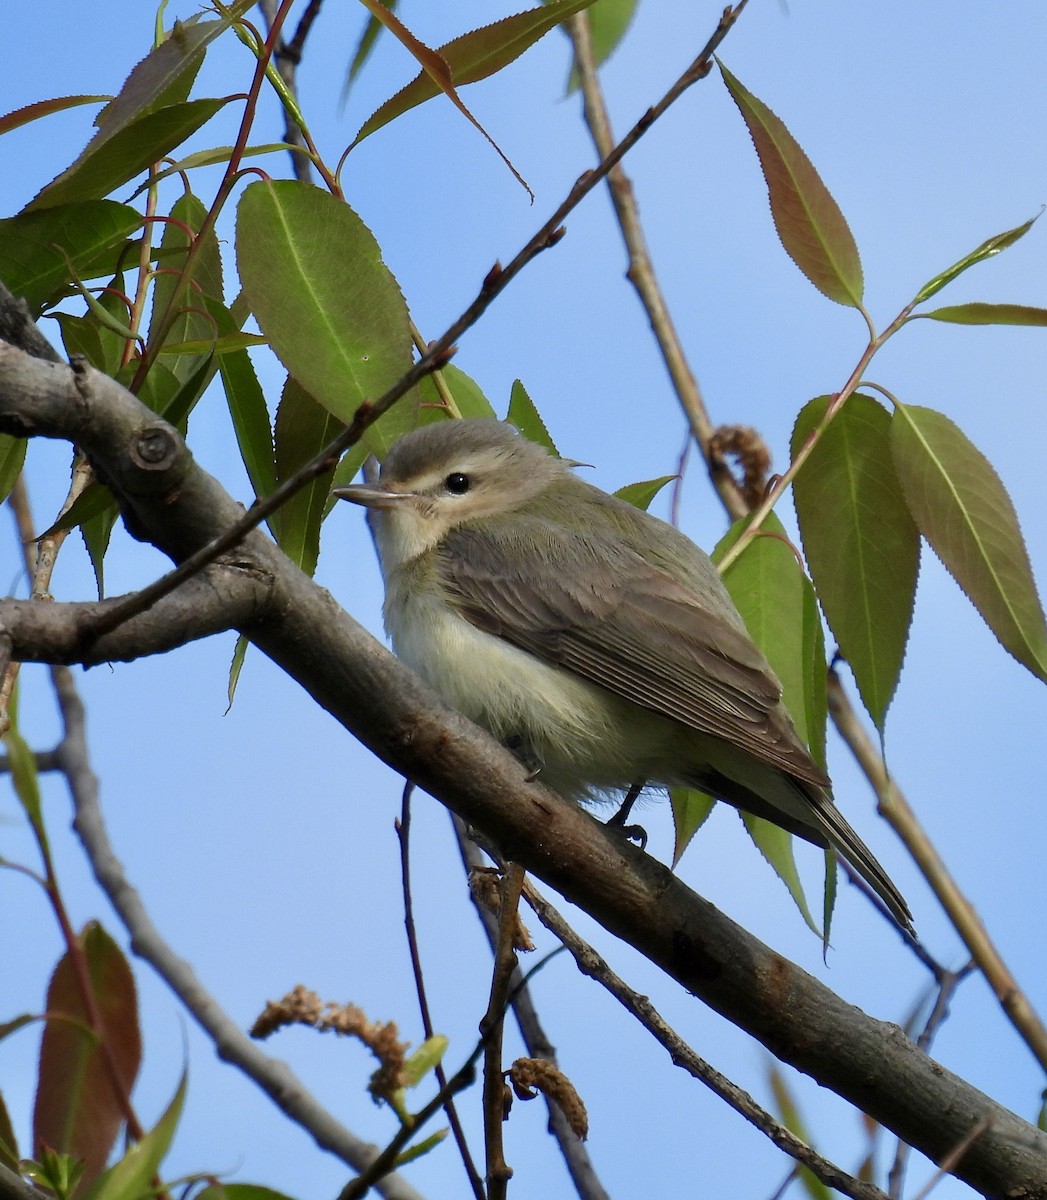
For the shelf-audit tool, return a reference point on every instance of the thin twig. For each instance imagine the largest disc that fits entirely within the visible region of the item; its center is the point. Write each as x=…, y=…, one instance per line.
x=576, y=1157
x=896, y=811
x=438, y=353
x=272, y=1076
x=287, y=57
x=592, y=964
x=491, y=1027
x=640, y=272
x=403, y=833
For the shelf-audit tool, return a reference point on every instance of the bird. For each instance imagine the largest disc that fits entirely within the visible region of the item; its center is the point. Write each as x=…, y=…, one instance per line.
x=591, y=638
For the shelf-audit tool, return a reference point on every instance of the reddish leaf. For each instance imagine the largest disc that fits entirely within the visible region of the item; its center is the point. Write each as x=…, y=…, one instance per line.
x=44, y=108
x=808, y=220
x=77, y=1110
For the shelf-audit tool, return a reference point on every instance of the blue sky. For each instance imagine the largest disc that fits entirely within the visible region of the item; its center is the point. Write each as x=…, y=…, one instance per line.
x=262, y=840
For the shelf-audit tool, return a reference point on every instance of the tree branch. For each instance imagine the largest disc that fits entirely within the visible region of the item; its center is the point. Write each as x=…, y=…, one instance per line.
x=390, y=710
x=275, y=1078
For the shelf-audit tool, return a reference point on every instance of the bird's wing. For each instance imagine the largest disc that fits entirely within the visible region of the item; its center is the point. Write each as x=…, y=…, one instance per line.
x=629, y=627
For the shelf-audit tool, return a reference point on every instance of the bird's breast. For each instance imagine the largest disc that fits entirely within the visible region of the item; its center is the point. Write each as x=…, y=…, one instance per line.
x=587, y=739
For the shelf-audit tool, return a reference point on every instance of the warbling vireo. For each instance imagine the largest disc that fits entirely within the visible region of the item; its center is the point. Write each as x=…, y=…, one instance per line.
x=593, y=639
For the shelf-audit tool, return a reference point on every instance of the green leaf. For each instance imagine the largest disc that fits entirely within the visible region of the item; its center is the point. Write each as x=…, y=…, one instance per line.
x=640, y=495
x=789, y=1115
x=239, y=1191
x=250, y=417
x=302, y=430
x=8, y=1142
x=964, y=511
x=164, y=77
x=367, y=42
x=777, y=603
x=83, y=335
x=422, y=1147
x=107, y=164
x=236, y=665
x=331, y=309
x=187, y=297
x=425, y=1059
x=608, y=21
x=94, y=499
x=526, y=417
x=776, y=846
x=25, y=779
x=12, y=456
x=987, y=249
x=809, y=222
x=691, y=810
x=980, y=313
x=474, y=56
x=96, y=531
x=861, y=543
x=76, y=1110
x=132, y=1177
x=40, y=252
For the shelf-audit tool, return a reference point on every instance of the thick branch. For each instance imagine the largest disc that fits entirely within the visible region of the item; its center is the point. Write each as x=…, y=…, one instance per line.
x=378, y=699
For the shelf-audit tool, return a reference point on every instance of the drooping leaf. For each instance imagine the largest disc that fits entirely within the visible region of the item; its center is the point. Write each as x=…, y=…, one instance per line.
x=331, y=309
x=474, y=56
x=41, y=251
x=131, y=1177
x=96, y=531
x=236, y=665
x=777, y=603
x=691, y=810
x=250, y=417
x=302, y=429
x=368, y=41
x=609, y=21
x=964, y=511
x=44, y=108
x=979, y=313
x=789, y=1115
x=77, y=1110
x=174, y=294
x=776, y=846
x=106, y=165
x=525, y=416
x=987, y=249
x=437, y=72
x=24, y=777
x=12, y=456
x=862, y=545
x=641, y=494
x=809, y=222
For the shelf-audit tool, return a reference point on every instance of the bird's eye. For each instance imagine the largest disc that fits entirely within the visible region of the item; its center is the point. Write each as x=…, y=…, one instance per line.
x=457, y=483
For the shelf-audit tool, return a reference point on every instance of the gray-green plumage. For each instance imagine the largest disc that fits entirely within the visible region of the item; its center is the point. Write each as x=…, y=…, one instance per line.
x=594, y=638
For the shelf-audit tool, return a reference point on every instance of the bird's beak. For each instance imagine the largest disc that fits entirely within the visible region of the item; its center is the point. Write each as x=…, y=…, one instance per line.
x=371, y=495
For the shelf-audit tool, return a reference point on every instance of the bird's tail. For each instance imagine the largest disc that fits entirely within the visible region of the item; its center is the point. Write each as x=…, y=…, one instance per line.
x=830, y=821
